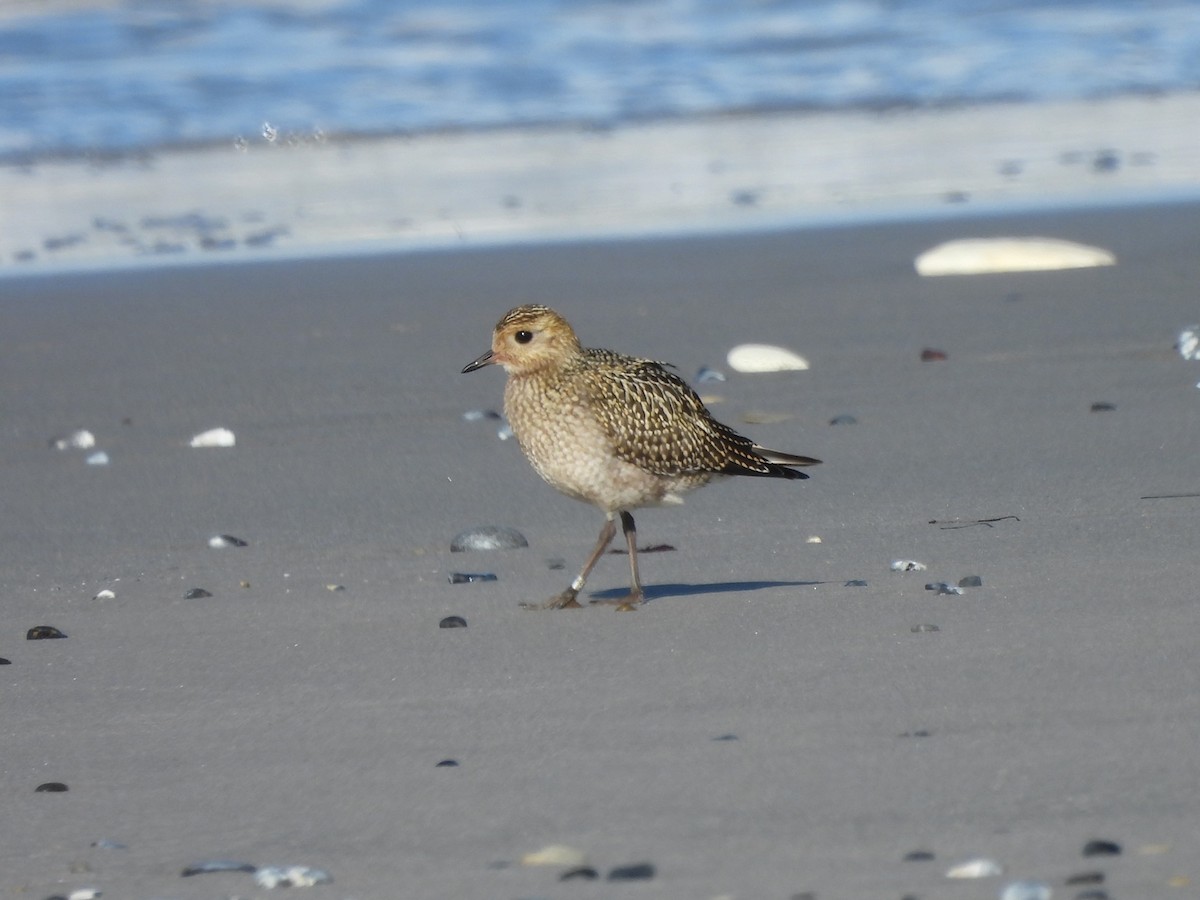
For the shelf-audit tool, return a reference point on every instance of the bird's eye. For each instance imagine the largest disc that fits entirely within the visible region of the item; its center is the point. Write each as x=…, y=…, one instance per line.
x=524, y=337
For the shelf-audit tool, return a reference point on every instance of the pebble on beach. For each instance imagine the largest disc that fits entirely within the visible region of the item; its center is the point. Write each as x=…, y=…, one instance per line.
x=453, y=622
x=940, y=587
x=976, y=868
x=764, y=358
x=43, y=633
x=907, y=565
x=51, y=787
x=105, y=594
x=1101, y=848
x=214, y=437
x=488, y=537
x=970, y=581
x=555, y=855
x=471, y=577
x=977, y=256
x=196, y=594
x=635, y=872
x=217, y=541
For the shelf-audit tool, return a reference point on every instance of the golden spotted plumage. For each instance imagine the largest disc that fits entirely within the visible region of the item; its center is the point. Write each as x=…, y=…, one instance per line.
x=612, y=430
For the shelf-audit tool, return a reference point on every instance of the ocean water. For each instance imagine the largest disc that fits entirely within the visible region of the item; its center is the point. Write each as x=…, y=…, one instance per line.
x=108, y=77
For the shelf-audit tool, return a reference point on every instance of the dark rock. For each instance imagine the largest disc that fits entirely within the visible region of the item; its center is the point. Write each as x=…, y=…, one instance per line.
x=931, y=355
x=447, y=764
x=582, y=873
x=919, y=856
x=453, y=622
x=1101, y=848
x=218, y=865
x=970, y=581
x=5, y=662
x=196, y=594
x=43, y=633
x=635, y=872
x=51, y=787
x=470, y=577
x=856, y=582
x=843, y=419
x=1101, y=406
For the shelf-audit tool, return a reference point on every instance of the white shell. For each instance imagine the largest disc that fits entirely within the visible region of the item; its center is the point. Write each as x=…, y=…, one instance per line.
x=975, y=256
x=214, y=437
x=99, y=458
x=764, y=358
x=907, y=565
x=975, y=868
x=105, y=594
x=76, y=440
x=290, y=876
x=1189, y=342
x=555, y=855
x=88, y=893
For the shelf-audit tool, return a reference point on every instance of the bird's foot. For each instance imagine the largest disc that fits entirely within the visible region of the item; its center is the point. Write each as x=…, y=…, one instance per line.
x=628, y=603
x=565, y=600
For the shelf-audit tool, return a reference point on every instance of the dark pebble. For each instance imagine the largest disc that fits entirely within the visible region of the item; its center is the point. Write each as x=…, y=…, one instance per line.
x=447, y=764
x=919, y=856
x=635, y=872
x=555, y=564
x=5, y=662
x=43, y=633
x=470, y=577
x=488, y=537
x=919, y=733
x=1092, y=895
x=50, y=787
x=1103, y=407
x=233, y=541
x=583, y=873
x=843, y=420
x=856, y=582
x=196, y=594
x=1086, y=878
x=453, y=622
x=726, y=737
x=931, y=355
x=970, y=581
x=218, y=865
x=1101, y=848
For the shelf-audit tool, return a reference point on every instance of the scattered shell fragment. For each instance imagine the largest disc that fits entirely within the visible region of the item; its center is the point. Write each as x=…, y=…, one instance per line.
x=447, y=764
x=196, y=594
x=813, y=539
x=555, y=855
x=707, y=375
x=214, y=437
x=453, y=622
x=479, y=415
x=335, y=587
x=488, y=537
x=907, y=565
x=105, y=594
x=76, y=440
x=844, y=419
x=970, y=581
x=579, y=873
x=975, y=868
x=764, y=358
x=99, y=458
x=504, y=432
x=86, y=893
x=43, y=633
x=1189, y=343
x=471, y=577
x=1026, y=890
x=217, y=541
x=51, y=787
x=1101, y=848
x=765, y=417
x=290, y=876
x=977, y=256
x=856, y=582
x=924, y=629
x=218, y=865
x=635, y=872
x=940, y=587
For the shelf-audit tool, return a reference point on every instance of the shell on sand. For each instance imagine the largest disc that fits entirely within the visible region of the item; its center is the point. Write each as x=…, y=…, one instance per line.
x=975, y=256
x=214, y=437
x=555, y=855
x=764, y=358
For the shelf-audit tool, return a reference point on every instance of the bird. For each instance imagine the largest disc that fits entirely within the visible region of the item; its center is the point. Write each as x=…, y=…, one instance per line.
x=618, y=432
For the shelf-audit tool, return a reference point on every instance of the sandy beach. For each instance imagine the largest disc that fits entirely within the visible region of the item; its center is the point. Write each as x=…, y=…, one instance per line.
x=762, y=728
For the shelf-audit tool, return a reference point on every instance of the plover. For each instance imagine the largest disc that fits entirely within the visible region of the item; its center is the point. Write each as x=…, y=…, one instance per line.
x=612, y=430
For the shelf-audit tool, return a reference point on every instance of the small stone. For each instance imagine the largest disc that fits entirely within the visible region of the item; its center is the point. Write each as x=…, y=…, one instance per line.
x=76, y=440
x=217, y=865
x=5, y=662
x=843, y=419
x=764, y=358
x=214, y=437
x=99, y=458
x=447, y=764
x=941, y=587
x=105, y=594
x=1102, y=406
x=43, y=633
x=634, y=872
x=975, y=868
x=488, y=537
x=907, y=565
x=555, y=855
x=453, y=622
x=931, y=355
x=470, y=577
x=555, y=563
x=970, y=581
x=579, y=873
x=708, y=376
x=51, y=787
x=290, y=876
x=919, y=856
x=924, y=629
x=330, y=587
x=196, y=594
x=726, y=737
x=1101, y=848
x=1086, y=878
x=218, y=541
x=856, y=582
x=1026, y=890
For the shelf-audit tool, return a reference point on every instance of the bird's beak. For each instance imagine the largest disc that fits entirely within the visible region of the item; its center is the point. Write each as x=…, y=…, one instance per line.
x=485, y=360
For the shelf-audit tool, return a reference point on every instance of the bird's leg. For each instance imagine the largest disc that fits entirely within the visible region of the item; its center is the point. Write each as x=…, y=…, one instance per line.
x=631, y=601
x=566, y=600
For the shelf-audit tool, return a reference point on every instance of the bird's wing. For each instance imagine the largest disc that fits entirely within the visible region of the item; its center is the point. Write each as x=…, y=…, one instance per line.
x=655, y=421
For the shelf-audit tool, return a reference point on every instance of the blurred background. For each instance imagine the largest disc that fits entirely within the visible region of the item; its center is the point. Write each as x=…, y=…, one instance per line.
x=100, y=76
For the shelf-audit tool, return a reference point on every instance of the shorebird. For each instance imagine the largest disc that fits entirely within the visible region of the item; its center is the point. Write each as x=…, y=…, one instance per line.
x=612, y=430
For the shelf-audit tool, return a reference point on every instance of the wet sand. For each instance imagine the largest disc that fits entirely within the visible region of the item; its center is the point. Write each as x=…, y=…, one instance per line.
x=759, y=728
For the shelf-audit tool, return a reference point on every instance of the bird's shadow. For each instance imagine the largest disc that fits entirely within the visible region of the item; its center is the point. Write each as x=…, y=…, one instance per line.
x=657, y=591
